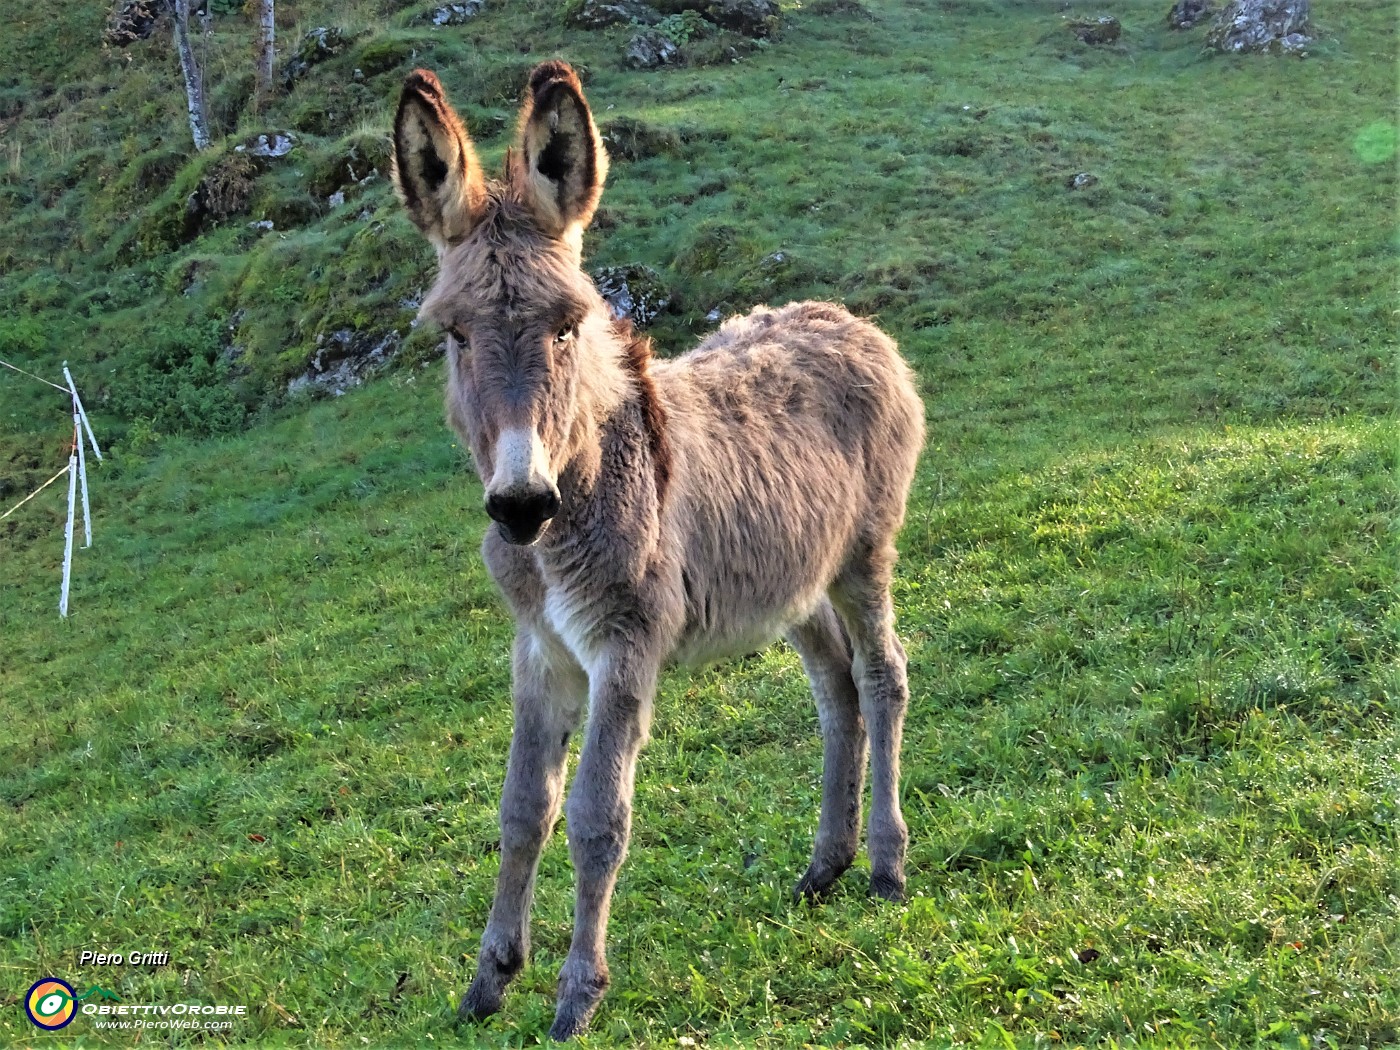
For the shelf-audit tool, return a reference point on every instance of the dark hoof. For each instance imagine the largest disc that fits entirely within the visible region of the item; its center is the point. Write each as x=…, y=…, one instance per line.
x=568, y=1024
x=887, y=887
x=479, y=1003
x=819, y=880
x=578, y=998
x=814, y=887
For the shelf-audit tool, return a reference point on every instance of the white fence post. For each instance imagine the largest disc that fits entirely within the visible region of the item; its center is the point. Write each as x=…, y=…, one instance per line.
x=68, y=547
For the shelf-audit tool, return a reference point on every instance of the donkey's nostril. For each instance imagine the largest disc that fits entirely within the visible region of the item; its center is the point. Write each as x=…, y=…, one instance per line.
x=522, y=513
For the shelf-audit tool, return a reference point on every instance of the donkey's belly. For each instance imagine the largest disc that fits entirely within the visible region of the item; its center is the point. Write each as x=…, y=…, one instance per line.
x=740, y=599
x=699, y=647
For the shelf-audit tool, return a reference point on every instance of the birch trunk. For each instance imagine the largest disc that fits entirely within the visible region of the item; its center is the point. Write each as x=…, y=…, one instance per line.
x=194, y=78
x=266, y=52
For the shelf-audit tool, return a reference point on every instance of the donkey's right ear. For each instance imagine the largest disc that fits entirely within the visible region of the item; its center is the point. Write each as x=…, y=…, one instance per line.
x=436, y=172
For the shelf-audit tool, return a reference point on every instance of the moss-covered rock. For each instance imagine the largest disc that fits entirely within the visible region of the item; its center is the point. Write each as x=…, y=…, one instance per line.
x=630, y=139
x=600, y=14
x=1105, y=29
x=352, y=161
x=651, y=49
x=317, y=46
x=635, y=292
x=383, y=55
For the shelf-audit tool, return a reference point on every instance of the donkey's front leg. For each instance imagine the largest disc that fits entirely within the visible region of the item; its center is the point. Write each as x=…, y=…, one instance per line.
x=600, y=822
x=549, y=691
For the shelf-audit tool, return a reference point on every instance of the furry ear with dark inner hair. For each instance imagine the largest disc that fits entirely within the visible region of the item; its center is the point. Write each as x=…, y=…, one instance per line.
x=562, y=163
x=436, y=171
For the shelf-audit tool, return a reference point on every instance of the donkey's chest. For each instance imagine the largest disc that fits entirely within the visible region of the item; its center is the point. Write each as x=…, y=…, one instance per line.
x=593, y=610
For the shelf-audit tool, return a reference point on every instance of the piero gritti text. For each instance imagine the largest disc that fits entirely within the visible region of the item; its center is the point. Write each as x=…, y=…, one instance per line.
x=88, y=958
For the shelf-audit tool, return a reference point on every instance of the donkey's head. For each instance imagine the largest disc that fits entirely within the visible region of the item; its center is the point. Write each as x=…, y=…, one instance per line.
x=517, y=308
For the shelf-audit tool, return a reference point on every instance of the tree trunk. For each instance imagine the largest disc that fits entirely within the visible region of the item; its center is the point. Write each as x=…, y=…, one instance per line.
x=265, y=53
x=1260, y=25
x=194, y=78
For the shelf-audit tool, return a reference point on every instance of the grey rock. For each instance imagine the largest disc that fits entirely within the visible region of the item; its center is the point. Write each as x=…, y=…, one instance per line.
x=343, y=360
x=1081, y=181
x=630, y=139
x=269, y=144
x=1186, y=14
x=761, y=19
x=634, y=292
x=650, y=49
x=1260, y=25
x=599, y=14
x=316, y=46
x=1105, y=29
x=455, y=14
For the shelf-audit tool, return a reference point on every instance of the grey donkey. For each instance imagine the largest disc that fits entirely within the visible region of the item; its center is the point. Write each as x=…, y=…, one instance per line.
x=648, y=511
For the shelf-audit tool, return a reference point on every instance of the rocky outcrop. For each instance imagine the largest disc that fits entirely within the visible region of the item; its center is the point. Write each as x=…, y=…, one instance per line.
x=317, y=46
x=452, y=14
x=1260, y=25
x=1105, y=29
x=635, y=293
x=343, y=360
x=1187, y=14
x=630, y=139
x=269, y=145
x=760, y=19
x=651, y=49
x=600, y=14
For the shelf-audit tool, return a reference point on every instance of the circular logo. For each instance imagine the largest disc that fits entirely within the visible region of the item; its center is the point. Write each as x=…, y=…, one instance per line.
x=50, y=1003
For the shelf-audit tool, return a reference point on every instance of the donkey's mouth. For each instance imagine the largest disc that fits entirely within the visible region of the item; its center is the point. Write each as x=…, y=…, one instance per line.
x=521, y=537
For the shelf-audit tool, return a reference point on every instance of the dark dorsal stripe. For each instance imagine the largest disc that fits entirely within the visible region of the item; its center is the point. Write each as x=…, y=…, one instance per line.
x=637, y=357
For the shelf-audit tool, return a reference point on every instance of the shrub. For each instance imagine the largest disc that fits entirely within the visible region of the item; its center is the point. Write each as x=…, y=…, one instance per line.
x=176, y=378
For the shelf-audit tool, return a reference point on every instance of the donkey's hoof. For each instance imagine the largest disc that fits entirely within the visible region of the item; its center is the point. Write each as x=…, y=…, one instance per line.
x=815, y=885
x=579, y=996
x=479, y=1003
x=887, y=887
x=568, y=1024
x=572, y=1018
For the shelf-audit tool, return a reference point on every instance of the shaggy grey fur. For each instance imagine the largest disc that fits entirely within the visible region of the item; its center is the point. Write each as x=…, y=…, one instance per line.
x=654, y=511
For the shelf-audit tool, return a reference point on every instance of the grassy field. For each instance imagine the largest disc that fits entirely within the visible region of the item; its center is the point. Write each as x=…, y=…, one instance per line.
x=1152, y=766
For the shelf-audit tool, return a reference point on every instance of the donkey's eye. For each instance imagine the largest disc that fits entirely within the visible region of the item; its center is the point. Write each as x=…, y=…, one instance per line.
x=566, y=333
x=458, y=333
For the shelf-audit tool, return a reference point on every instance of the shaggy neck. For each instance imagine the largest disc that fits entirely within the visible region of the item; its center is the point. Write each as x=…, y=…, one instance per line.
x=619, y=451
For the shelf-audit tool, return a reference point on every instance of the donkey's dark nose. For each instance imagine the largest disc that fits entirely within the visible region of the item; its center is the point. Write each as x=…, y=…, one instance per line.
x=523, y=513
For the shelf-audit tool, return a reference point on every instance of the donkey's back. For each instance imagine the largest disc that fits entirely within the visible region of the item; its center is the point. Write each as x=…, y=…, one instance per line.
x=795, y=434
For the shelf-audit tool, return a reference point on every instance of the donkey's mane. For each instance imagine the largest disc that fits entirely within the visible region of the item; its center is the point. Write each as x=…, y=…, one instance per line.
x=636, y=356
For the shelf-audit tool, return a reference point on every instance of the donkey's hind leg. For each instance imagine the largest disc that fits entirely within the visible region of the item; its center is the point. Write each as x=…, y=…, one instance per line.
x=550, y=690
x=826, y=657
x=879, y=667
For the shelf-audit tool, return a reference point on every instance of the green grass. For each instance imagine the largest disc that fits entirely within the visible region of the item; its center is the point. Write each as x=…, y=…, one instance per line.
x=1147, y=584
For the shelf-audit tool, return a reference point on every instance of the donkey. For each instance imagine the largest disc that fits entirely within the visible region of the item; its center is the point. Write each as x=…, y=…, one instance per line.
x=648, y=511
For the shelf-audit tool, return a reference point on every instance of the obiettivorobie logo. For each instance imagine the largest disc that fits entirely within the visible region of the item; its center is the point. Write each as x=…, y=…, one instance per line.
x=52, y=1004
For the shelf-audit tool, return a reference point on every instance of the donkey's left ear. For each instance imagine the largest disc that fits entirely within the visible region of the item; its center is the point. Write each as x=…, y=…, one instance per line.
x=561, y=152
x=436, y=172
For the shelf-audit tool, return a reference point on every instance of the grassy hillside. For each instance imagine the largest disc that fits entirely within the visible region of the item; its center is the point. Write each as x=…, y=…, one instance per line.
x=1147, y=584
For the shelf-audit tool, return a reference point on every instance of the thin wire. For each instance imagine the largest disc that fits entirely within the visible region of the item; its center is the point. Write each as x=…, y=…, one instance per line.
x=36, y=492
x=31, y=375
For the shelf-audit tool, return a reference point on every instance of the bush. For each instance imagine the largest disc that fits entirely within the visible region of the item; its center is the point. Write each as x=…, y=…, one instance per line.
x=176, y=378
